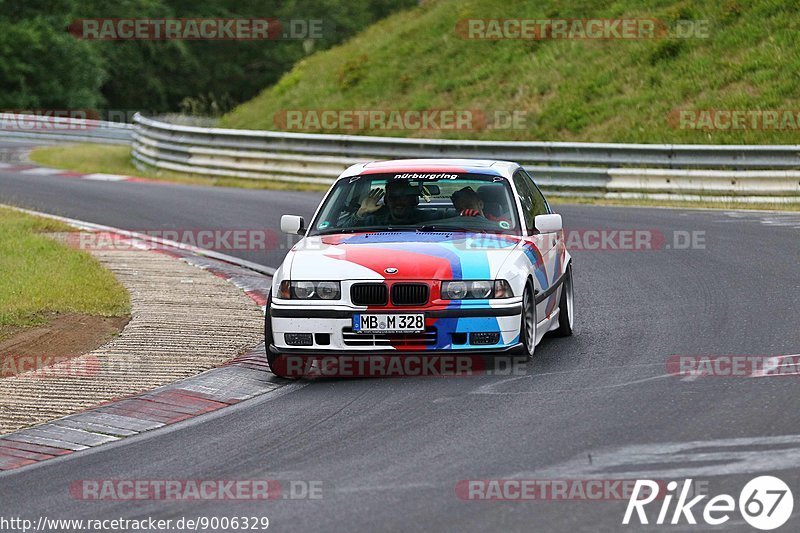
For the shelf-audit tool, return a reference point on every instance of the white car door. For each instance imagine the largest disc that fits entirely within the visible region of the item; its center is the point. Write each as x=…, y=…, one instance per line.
x=549, y=245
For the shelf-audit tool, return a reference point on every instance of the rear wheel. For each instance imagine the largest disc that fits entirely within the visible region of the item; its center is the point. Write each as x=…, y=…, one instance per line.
x=566, y=310
x=278, y=363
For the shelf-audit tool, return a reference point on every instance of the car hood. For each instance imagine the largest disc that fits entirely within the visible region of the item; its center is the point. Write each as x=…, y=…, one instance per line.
x=416, y=256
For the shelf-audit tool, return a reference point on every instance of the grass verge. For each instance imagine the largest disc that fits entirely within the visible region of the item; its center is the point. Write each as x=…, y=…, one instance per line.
x=115, y=159
x=42, y=277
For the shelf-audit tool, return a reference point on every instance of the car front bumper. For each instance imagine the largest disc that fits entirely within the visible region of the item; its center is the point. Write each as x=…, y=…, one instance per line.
x=449, y=330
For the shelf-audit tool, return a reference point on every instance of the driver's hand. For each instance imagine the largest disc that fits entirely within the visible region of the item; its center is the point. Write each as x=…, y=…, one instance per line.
x=370, y=203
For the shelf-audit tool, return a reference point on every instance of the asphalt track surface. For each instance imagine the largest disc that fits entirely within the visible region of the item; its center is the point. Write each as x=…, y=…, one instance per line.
x=389, y=452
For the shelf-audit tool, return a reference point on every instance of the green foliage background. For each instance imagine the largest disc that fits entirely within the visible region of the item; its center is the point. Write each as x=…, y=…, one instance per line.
x=42, y=66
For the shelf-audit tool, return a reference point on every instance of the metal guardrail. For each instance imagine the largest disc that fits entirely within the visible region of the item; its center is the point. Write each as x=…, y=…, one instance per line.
x=690, y=172
x=548, y=153
x=569, y=169
x=62, y=129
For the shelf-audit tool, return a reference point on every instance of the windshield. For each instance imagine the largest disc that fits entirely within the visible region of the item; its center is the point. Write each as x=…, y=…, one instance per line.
x=415, y=201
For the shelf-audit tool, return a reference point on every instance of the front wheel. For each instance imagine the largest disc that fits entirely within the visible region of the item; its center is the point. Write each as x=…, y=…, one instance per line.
x=566, y=310
x=527, y=327
x=278, y=363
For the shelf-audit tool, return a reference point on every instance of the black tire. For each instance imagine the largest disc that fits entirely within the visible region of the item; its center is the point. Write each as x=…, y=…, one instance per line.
x=527, y=326
x=277, y=362
x=566, y=307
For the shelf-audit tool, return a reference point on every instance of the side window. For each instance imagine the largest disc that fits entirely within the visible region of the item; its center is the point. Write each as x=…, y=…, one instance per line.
x=540, y=205
x=526, y=198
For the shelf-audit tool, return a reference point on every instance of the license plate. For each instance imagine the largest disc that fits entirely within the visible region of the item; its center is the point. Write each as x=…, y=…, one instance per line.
x=406, y=323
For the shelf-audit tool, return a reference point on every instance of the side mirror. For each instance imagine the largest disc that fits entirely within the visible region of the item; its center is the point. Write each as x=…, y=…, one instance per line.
x=548, y=223
x=293, y=225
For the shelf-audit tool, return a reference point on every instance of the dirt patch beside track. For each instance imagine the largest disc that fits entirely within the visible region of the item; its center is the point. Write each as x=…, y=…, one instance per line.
x=62, y=337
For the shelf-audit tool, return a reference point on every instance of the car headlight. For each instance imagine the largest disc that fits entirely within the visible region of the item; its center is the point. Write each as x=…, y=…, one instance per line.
x=476, y=290
x=305, y=290
x=454, y=290
x=480, y=290
x=328, y=290
x=311, y=290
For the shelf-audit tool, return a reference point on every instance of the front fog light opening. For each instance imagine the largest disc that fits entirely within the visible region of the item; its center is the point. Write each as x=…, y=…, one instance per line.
x=484, y=338
x=299, y=339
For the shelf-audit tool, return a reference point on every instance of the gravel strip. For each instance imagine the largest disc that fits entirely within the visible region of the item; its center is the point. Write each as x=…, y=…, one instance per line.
x=185, y=320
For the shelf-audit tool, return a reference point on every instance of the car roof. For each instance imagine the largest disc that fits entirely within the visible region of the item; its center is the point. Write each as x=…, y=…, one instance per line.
x=471, y=166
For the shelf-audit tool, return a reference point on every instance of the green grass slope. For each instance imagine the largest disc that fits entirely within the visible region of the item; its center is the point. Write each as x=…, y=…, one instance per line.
x=41, y=276
x=568, y=90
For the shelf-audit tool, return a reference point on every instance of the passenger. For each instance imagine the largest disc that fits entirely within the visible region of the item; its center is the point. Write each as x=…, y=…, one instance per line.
x=469, y=204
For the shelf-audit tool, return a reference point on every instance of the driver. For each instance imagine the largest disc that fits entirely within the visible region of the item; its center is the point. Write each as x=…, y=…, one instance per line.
x=401, y=201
